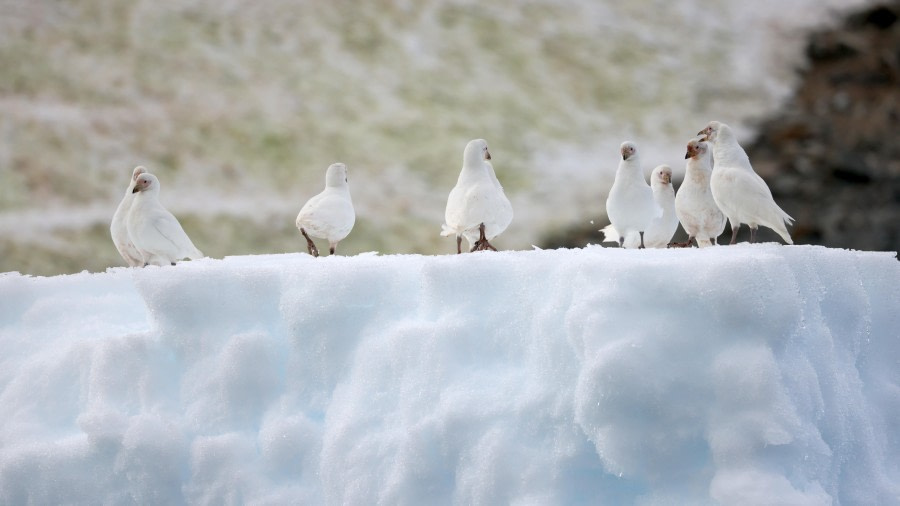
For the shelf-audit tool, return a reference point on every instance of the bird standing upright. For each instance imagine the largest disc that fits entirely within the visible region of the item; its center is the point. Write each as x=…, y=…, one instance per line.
x=662, y=227
x=630, y=205
x=739, y=192
x=118, y=228
x=155, y=232
x=477, y=207
x=695, y=207
x=330, y=214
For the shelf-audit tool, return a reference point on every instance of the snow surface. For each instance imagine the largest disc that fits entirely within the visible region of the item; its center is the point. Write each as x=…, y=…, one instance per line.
x=752, y=374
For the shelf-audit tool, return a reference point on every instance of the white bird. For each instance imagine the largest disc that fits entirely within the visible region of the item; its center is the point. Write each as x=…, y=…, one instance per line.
x=155, y=232
x=695, y=207
x=739, y=192
x=477, y=208
x=663, y=226
x=118, y=229
x=630, y=205
x=330, y=214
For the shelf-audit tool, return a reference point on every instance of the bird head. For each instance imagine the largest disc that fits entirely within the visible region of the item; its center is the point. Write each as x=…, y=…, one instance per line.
x=137, y=172
x=628, y=149
x=711, y=131
x=145, y=182
x=476, y=152
x=662, y=175
x=336, y=175
x=696, y=148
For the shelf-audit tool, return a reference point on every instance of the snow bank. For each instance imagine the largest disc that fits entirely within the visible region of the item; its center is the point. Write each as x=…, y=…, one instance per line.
x=753, y=374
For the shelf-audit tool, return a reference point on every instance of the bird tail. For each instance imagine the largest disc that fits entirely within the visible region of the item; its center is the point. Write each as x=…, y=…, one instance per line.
x=779, y=225
x=610, y=234
x=196, y=254
x=447, y=231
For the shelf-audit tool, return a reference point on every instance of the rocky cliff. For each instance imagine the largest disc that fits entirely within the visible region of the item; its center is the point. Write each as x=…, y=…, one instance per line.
x=832, y=155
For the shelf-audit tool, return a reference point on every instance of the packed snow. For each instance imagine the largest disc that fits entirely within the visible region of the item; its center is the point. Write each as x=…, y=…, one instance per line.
x=748, y=374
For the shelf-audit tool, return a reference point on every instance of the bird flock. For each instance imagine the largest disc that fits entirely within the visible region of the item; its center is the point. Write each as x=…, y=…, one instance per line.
x=725, y=186
x=719, y=184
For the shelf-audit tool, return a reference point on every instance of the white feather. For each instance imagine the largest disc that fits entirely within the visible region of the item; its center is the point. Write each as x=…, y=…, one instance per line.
x=477, y=198
x=118, y=228
x=695, y=207
x=155, y=232
x=330, y=214
x=739, y=192
x=630, y=205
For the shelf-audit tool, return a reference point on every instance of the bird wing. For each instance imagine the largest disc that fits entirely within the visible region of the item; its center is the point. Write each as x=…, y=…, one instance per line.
x=328, y=216
x=753, y=198
x=172, y=236
x=467, y=206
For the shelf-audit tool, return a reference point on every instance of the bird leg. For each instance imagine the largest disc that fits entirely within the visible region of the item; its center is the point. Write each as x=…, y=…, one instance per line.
x=313, y=250
x=642, y=241
x=753, y=234
x=458, y=244
x=621, y=242
x=482, y=243
x=332, y=248
x=734, y=231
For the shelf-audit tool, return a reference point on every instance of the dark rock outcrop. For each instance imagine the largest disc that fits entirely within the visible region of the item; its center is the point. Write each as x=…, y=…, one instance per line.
x=832, y=156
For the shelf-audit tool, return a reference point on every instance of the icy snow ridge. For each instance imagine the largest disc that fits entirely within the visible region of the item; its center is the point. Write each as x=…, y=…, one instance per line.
x=753, y=374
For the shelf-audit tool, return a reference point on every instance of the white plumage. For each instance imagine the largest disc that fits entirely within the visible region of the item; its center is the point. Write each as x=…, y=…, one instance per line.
x=155, y=232
x=330, y=214
x=630, y=205
x=695, y=207
x=739, y=192
x=118, y=228
x=663, y=226
x=477, y=199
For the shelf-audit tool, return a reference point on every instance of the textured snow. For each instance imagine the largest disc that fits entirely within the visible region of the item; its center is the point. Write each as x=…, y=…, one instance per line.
x=753, y=374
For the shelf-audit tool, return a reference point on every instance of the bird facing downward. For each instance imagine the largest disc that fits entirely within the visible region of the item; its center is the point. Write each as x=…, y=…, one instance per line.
x=155, y=232
x=630, y=205
x=330, y=214
x=477, y=207
x=118, y=228
x=700, y=217
x=739, y=192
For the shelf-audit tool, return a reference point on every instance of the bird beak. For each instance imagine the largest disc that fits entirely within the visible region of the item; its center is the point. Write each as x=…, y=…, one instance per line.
x=667, y=178
x=487, y=155
x=136, y=189
x=687, y=155
x=624, y=156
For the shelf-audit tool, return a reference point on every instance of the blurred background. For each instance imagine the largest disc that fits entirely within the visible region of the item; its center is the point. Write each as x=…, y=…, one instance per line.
x=239, y=107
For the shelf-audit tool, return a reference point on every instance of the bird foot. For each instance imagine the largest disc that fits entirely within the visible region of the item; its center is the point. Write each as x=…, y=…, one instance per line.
x=482, y=243
x=686, y=244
